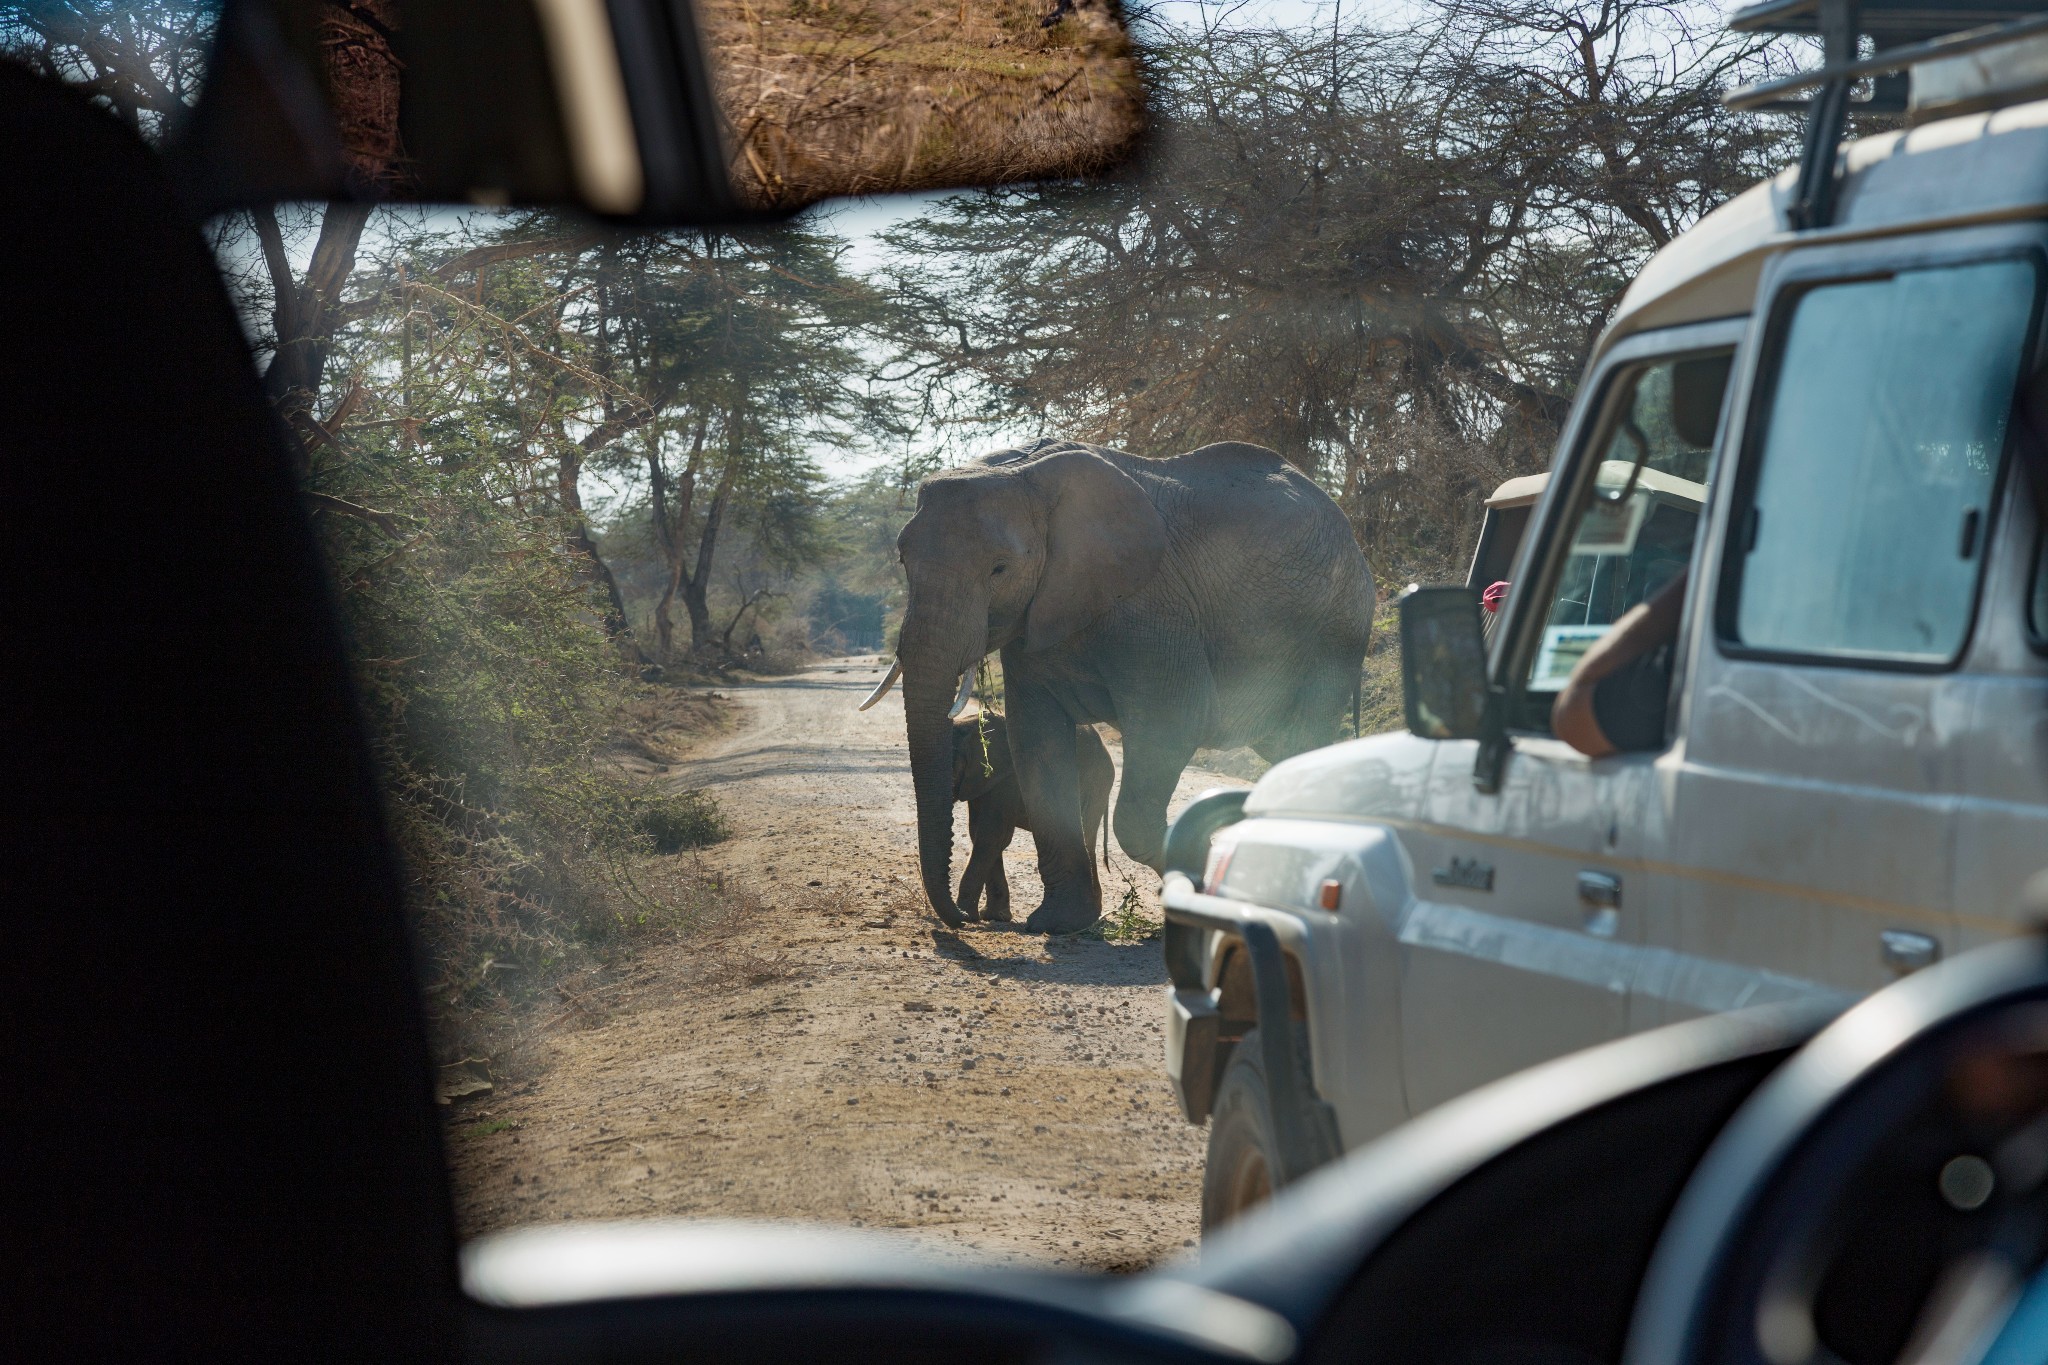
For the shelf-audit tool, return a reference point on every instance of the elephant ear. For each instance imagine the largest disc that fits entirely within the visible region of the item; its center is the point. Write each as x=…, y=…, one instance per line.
x=1104, y=540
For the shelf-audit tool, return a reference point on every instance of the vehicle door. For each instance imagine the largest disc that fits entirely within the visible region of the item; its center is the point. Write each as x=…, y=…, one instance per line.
x=2002, y=755
x=1815, y=833
x=1532, y=896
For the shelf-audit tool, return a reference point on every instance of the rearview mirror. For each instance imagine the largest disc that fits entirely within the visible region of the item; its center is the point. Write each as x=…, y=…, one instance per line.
x=656, y=111
x=605, y=106
x=1444, y=692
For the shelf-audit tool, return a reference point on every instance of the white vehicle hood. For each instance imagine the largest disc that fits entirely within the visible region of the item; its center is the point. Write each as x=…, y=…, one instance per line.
x=1377, y=777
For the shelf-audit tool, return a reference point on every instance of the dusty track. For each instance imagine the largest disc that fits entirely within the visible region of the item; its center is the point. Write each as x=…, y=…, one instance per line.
x=986, y=1091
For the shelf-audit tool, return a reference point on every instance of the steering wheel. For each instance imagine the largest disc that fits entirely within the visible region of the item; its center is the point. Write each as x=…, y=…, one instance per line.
x=1883, y=1197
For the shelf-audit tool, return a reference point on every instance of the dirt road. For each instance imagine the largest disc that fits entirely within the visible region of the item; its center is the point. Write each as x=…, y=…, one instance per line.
x=987, y=1091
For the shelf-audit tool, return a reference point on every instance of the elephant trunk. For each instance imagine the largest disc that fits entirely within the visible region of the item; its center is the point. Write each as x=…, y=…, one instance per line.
x=934, y=659
x=930, y=731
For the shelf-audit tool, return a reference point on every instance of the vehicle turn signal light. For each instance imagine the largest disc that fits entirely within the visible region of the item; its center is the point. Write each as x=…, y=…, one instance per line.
x=1331, y=894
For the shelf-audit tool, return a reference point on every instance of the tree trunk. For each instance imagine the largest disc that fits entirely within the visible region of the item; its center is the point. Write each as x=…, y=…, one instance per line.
x=305, y=316
x=363, y=72
x=664, y=537
x=697, y=584
x=576, y=536
x=669, y=528
x=746, y=605
x=699, y=609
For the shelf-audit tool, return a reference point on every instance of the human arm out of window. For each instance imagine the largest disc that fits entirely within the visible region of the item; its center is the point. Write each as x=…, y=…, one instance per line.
x=1640, y=629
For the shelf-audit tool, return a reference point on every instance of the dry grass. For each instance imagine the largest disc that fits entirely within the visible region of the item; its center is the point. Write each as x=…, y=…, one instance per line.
x=719, y=920
x=659, y=723
x=829, y=97
x=514, y=938
x=1380, y=690
x=722, y=920
x=729, y=963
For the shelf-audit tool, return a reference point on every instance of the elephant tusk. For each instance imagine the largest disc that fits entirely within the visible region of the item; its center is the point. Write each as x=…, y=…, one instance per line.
x=966, y=690
x=882, y=688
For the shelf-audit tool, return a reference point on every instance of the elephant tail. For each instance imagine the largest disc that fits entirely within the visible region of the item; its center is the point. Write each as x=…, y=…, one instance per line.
x=1357, y=691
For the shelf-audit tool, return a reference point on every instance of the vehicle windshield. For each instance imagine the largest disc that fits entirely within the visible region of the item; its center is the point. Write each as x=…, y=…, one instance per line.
x=1641, y=515
x=616, y=523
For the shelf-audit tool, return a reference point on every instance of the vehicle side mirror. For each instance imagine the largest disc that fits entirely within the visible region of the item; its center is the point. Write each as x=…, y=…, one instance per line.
x=602, y=106
x=1444, y=692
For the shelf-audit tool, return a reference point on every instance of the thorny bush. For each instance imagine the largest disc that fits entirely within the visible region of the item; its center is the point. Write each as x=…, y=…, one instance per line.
x=490, y=685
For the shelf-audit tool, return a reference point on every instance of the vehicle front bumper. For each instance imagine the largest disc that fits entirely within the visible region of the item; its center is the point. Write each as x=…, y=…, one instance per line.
x=1305, y=1129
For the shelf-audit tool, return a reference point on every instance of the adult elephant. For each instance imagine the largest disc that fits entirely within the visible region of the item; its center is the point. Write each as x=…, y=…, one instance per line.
x=1213, y=599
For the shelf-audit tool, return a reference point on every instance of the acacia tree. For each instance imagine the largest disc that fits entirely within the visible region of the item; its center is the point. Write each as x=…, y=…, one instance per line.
x=142, y=62
x=745, y=349
x=145, y=61
x=1383, y=254
x=301, y=311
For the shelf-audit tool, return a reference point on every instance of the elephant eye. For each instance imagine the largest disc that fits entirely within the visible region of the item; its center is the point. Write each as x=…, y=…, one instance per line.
x=1000, y=568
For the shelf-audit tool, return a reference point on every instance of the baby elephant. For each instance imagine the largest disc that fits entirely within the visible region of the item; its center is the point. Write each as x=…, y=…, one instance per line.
x=985, y=780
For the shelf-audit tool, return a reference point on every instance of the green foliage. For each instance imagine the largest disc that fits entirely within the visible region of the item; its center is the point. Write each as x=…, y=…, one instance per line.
x=852, y=620
x=490, y=686
x=851, y=595
x=477, y=628
x=988, y=687
x=491, y=1126
x=142, y=61
x=1127, y=922
x=746, y=352
x=675, y=821
x=1380, y=687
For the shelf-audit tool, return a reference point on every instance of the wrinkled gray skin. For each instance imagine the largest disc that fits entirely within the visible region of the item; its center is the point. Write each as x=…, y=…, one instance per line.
x=984, y=777
x=1213, y=599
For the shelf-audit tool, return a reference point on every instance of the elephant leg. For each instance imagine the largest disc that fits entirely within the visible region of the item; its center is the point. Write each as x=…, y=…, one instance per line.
x=1042, y=744
x=975, y=875
x=992, y=824
x=1096, y=774
x=1153, y=763
x=970, y=892
x=998, y=892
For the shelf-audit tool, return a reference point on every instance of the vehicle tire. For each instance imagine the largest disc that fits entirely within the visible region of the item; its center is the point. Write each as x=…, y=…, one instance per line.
x=1243, y=1151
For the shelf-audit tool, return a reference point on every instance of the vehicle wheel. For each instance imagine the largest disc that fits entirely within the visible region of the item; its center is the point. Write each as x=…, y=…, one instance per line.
x=1243, y=1153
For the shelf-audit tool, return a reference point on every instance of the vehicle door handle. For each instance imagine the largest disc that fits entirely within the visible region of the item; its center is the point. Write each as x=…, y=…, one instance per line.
x=1905, y=951
x=1600, y=895
x=1601, y=890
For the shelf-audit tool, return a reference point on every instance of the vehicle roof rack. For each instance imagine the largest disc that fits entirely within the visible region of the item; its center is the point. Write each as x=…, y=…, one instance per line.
x=1903, y=34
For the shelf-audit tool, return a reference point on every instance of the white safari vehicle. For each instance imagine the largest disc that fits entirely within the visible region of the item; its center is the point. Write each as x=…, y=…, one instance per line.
x=1820, y=407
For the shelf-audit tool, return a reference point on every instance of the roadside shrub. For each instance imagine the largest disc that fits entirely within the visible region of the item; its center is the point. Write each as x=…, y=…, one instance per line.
x=492, y=692
x=674, y=821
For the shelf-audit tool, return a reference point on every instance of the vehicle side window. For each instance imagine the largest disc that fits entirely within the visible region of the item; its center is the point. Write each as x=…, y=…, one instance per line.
x=1870, y=496
x=1636, y=530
